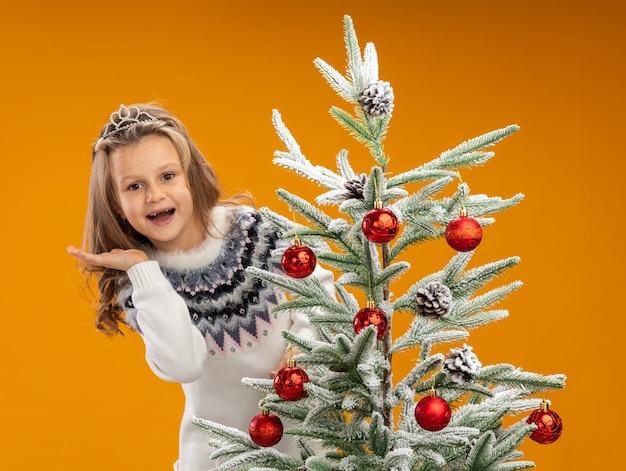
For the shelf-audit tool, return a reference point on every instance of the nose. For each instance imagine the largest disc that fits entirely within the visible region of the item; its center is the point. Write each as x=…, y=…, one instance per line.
x=154, y=194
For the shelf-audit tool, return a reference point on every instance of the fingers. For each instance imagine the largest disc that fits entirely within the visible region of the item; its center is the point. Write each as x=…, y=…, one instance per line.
x=117, y=259
x=79, y=254
x=284, y=360
x=88, y=258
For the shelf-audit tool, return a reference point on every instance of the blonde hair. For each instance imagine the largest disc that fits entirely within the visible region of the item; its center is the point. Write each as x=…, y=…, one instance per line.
x=106, y=230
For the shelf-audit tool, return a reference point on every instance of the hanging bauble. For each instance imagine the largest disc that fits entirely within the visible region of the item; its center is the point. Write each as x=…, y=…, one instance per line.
x=290, y=380
x=432, y=413
x=265, y=429
x=463, y=233
x=298, y=261
x=380, y=225
x=371, y=315
x=549, y=424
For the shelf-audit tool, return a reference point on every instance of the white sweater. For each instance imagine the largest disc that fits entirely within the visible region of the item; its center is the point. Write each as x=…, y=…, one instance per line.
x=209, y=354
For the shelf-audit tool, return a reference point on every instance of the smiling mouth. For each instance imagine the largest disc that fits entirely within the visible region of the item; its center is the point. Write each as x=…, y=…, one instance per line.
x=161, y=215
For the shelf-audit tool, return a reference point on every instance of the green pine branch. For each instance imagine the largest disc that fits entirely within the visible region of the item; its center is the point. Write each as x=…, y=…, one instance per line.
x=356, y=128
x=336, y=81
x=350, y=397
x=491, y=453
x=356, y=68
x=467, y=154
x=509, y=376
x=419, y=175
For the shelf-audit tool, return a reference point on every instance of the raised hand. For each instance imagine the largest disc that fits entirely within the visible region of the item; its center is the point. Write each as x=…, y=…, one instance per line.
x=117, y=259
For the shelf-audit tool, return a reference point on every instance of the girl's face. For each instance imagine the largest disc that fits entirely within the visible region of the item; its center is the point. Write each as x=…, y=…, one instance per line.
x=154, y=196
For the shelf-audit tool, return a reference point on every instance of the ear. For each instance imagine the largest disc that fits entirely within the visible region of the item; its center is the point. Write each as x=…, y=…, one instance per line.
x=118, y=212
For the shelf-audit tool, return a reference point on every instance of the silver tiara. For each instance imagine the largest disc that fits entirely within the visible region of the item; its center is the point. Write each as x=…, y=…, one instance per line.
x=125, y=118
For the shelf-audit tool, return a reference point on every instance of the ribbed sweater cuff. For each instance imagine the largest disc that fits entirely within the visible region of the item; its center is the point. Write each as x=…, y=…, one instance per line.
x=145, y=274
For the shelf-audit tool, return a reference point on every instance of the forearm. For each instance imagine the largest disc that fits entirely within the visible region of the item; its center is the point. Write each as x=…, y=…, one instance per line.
x=175, y=348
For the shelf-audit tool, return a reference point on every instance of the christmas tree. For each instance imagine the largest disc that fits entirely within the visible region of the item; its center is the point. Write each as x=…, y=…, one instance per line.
x=449, y=412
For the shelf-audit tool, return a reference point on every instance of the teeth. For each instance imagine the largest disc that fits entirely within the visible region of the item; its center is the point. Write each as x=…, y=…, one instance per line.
x=155, y=214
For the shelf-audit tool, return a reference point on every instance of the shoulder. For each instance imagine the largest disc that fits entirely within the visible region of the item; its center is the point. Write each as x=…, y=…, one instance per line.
x=247, y=219
x=240, y=214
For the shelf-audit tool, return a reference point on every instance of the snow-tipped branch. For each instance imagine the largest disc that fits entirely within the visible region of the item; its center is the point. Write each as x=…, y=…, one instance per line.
x=465, y=308
x=509, y=376
x=419, y=175
x=336, y=81
x=355, y=127
x=463, y=286
x=465, y=153
x=305, y=208
x=426, y=332
x=355, y=66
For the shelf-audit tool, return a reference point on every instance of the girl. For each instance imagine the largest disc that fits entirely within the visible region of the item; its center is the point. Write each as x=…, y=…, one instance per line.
x=169, y=257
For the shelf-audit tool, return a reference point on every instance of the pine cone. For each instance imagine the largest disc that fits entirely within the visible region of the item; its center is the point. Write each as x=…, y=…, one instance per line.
x=461, y=364
x=377, y=99
x=355, y=187
x=434, y=300
x=469, y=446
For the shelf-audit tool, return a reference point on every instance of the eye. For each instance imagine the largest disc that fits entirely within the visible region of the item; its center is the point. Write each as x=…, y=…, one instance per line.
x=134, y=187
x=168, y=176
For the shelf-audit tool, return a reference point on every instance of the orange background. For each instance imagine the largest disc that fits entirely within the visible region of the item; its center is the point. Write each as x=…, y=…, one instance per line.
x=74, y=399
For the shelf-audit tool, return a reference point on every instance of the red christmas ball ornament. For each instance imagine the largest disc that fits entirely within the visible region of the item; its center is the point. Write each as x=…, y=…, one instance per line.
x=432, y=413
x=298, y=261
x=464, y=233
x=289, y=382
x=371, y=316
x=380, y=225
x=265, y=429
x=549, y=425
